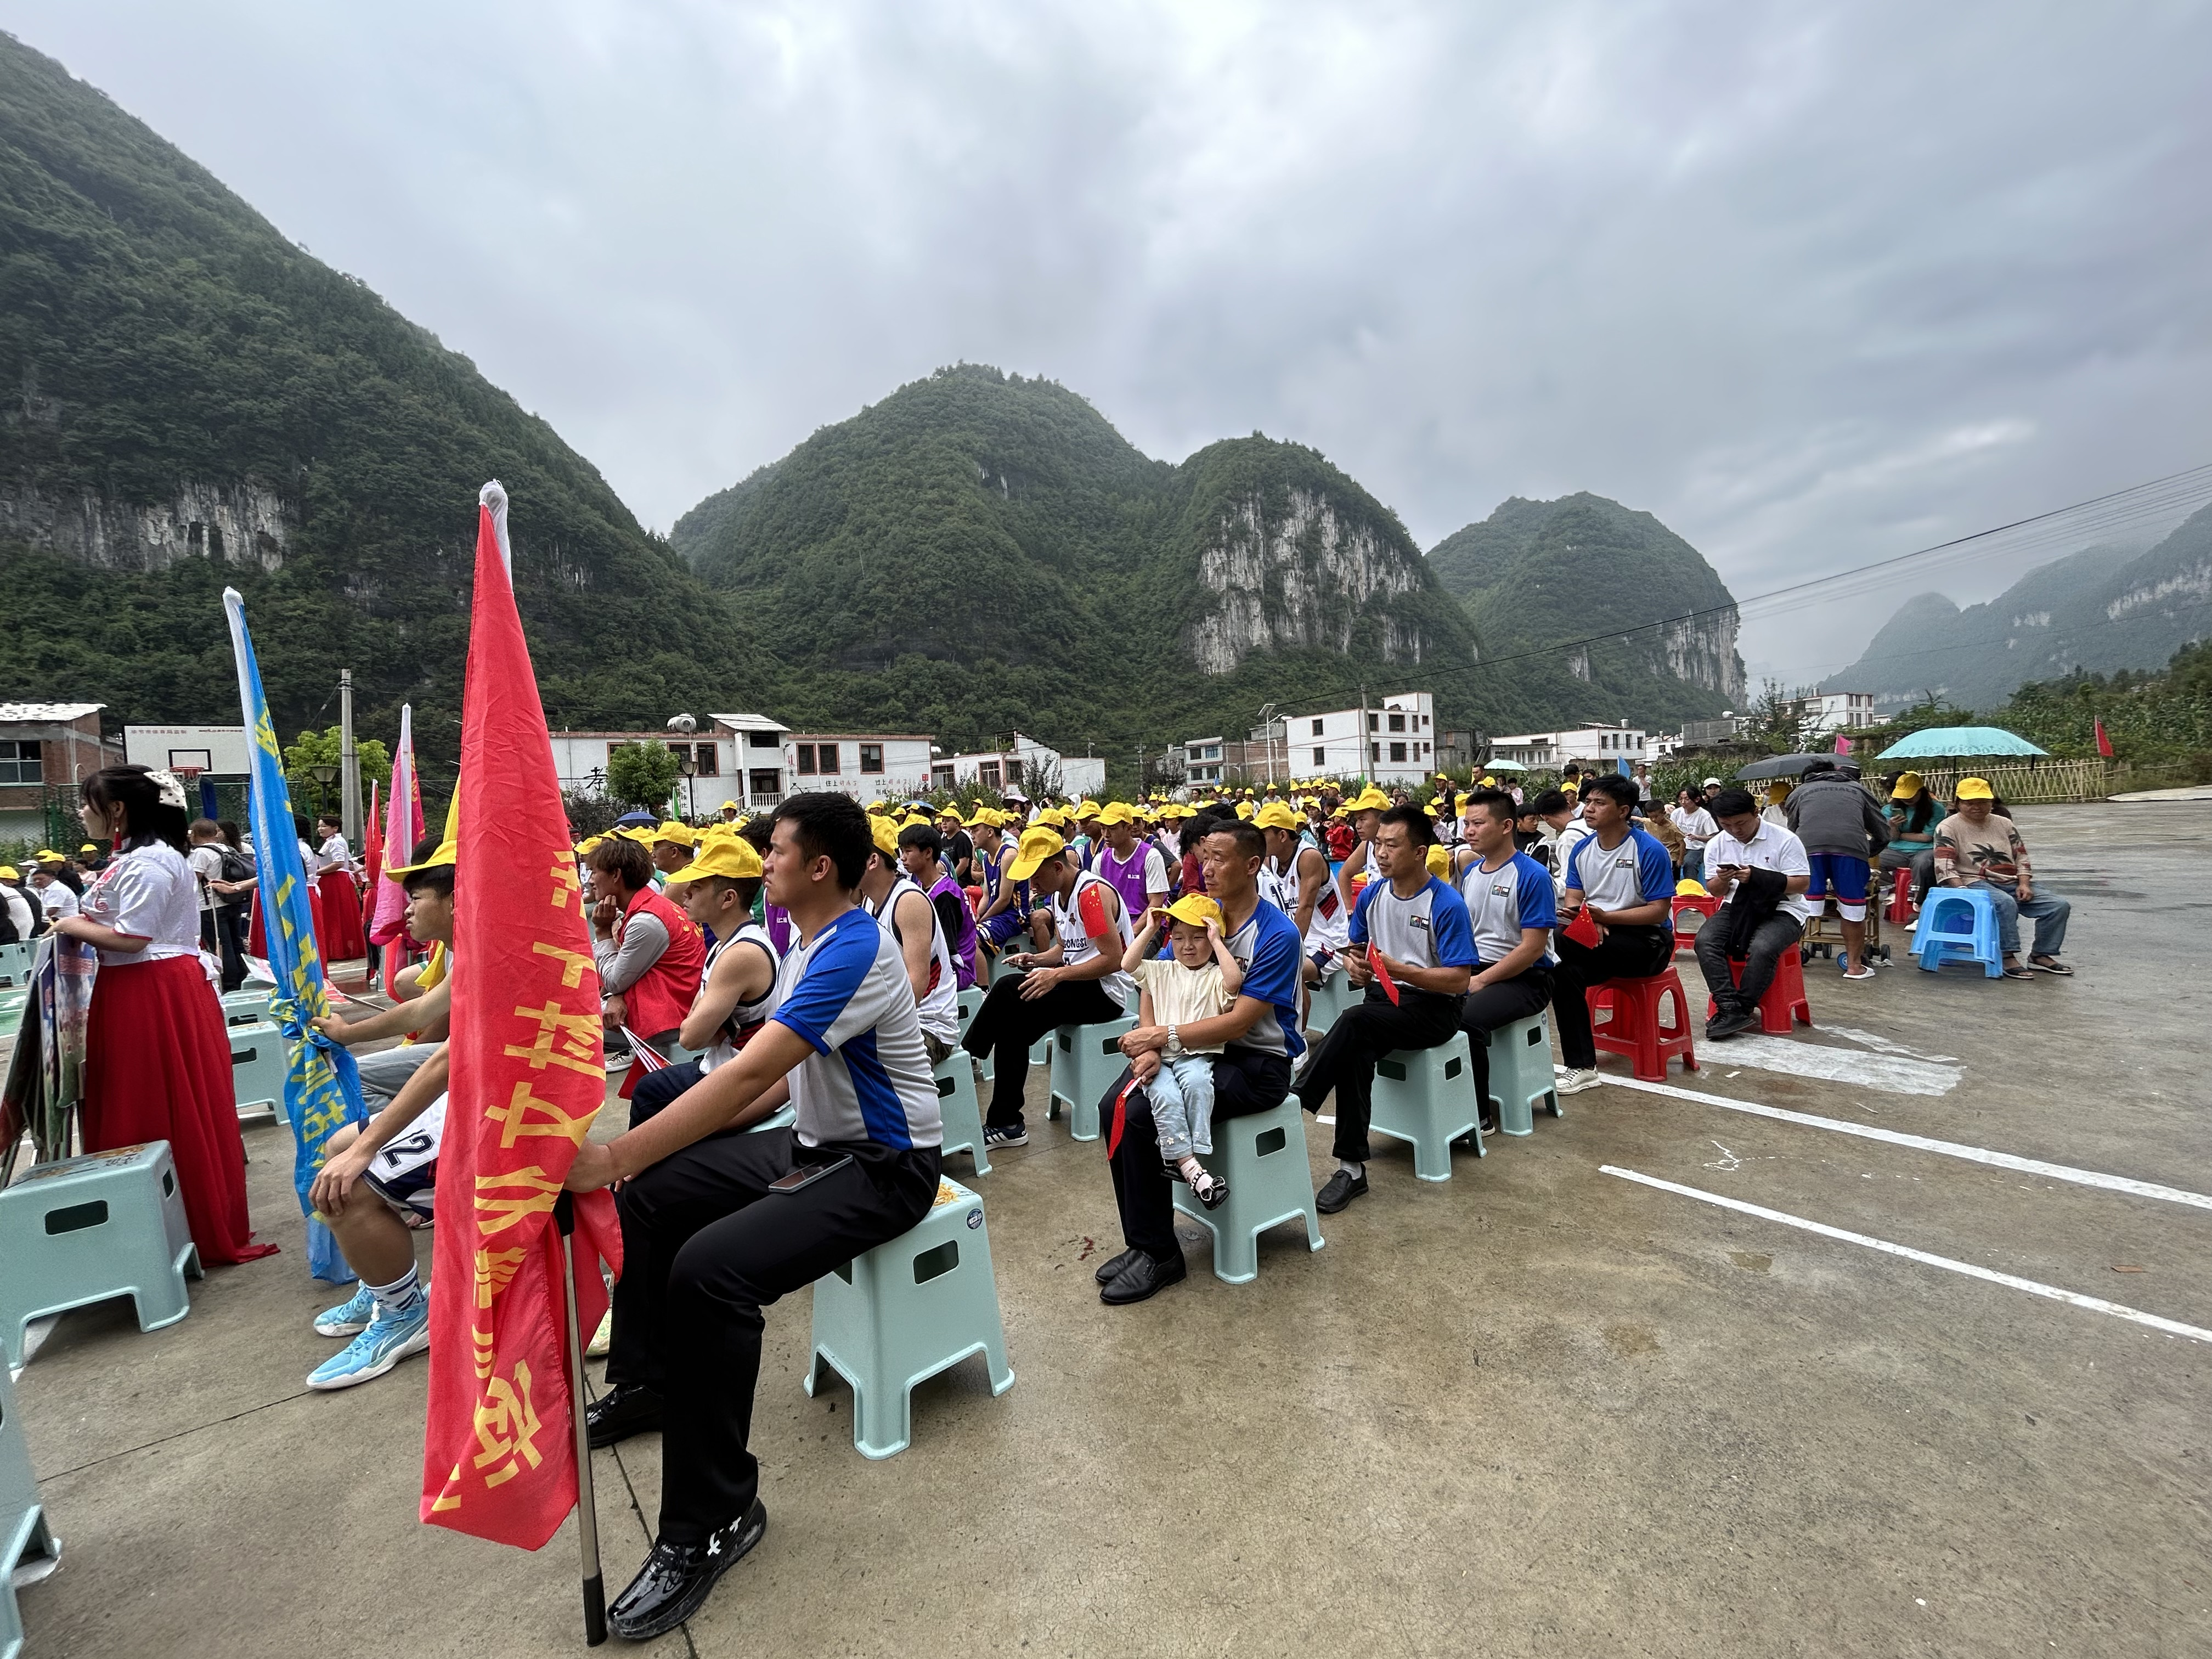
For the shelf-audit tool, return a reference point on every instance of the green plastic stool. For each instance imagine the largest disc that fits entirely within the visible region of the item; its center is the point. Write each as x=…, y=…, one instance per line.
x=245, y=1007
x=257, y=1065
x=962, y=1112
x=12, y=1004
x=1263, y=1159
x=1426, y=1096
x=1520, y=1073
x=85, y=1230
x=912, y=1307
x=1329, y=999
x=25, y=1544
x=16, y=964
x=1086, y=1060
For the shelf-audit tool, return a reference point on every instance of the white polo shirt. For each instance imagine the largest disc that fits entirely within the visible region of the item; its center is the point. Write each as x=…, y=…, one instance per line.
x=1772, y=848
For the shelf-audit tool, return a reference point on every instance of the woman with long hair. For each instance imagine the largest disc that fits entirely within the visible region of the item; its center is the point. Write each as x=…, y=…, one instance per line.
x=157, y=1059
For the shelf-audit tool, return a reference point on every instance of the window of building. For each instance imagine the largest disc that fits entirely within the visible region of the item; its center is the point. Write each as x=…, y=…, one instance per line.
x=708, y=766
x=1316, y=731
x=1321, y=756
x=20, y=762
x=1397, y=751
x=1374, y=722
x=989, y=773
x=872, y=757
x=1397, y=722
x=760, y=739
x=1374, y=753
x=806, y=760
x=1424, y=719
x=826, y=756
x=1213, y=751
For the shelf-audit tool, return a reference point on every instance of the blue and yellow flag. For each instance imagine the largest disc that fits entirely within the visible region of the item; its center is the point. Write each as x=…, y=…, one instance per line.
x=322, y=1087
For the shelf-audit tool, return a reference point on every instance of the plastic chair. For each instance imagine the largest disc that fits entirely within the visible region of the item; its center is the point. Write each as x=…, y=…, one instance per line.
x=1520, y=1073
x=12, y=1004
x=26, y=1546
x=85, y=1230
x=1700, y=905
x=1900, y=898
x=16, y=963
x=1085, y=1059
x=245, y=1007
x=1783, y=1004
x=912, y=1307
x=257, y=1065
x=1631, y=1007
x=962, y=1112
x=1263, y=1159
x=1426, y=1096
x=1958, y=924
x=1330, y=999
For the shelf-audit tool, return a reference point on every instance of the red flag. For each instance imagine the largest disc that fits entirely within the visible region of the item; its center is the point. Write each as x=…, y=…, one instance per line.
x=371, y=859
x=528, y=1076
x=1382, y=975
x=1584, y=928
x=2104, y=742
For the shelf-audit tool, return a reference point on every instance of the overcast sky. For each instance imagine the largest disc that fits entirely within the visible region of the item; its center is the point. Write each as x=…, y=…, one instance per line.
x=1817, y=283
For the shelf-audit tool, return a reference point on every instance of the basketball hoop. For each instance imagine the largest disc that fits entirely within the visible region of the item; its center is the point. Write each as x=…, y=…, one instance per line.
x=189, y=776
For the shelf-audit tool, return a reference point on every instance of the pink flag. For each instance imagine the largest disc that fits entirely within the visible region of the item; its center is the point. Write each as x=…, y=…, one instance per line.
x=403, y=828
x=1842, y=743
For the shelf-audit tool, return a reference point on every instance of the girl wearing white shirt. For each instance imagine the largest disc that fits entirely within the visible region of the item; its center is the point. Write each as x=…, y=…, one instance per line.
x=157, y=1061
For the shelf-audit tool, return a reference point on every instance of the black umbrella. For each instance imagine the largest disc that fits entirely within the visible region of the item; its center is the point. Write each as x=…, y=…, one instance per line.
x=1778, y=766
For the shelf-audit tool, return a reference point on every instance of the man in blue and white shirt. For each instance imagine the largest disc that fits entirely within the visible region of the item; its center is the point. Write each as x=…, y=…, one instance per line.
x=1512, y=910
x=1624, y=880
x=1416, y=928
x=717, y=1222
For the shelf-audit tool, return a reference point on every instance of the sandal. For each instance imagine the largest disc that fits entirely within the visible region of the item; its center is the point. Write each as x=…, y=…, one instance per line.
x=2017, y=972
x=2051, y=965
x=1209, y=1189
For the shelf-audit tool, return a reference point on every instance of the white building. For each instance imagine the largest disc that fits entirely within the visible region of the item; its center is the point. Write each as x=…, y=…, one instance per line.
x=1593, y=743
x=1400, y=741
x=868, y=766
x=738, y=757
x=1024, y=763
x=1823, y=714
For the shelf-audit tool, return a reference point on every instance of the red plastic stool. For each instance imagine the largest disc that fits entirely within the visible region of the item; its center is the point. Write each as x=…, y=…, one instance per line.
x=1900, y=898
x=1703, y=906
x=1783, y=1004
x=1634, y=1028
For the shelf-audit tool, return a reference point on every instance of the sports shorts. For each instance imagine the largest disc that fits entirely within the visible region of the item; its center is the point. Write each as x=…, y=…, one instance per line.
x=1843, y=876
x=1004, y=927
x=405, y=1175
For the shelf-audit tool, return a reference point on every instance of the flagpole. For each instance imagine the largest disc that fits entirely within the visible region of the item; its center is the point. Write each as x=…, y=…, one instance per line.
x=588, y=1511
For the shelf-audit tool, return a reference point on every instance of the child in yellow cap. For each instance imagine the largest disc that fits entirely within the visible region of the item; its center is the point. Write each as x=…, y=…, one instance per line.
x=1200, y=981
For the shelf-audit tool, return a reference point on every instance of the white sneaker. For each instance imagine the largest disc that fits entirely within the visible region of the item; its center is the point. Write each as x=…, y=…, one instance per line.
x=1573, y=1082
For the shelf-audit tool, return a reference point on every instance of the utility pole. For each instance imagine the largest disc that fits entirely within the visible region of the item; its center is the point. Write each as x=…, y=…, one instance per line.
x=348, y=763
x=1363, y=734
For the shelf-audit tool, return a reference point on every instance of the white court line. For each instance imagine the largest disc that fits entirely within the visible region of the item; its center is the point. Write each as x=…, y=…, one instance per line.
x=1920, y=1143
x=2033, y=1287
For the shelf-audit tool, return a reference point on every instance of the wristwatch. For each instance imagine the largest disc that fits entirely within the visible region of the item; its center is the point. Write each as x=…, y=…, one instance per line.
x=1174, y=1044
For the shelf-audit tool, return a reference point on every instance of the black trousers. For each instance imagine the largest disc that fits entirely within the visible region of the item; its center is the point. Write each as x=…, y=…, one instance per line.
x=656, y=1090
x=1243, y=1083
x=1778, y=933
x=1345, y=1060
x=1008, y=1025
x=1481, y=1012
x=1623, y=953
x=705, y=1246
x=222, y=931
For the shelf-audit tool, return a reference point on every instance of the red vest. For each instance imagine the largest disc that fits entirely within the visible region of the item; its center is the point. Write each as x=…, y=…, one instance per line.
x=663, y=995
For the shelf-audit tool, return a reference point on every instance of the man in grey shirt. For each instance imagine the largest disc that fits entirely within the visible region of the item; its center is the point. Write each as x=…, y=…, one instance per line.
x=1843, y=829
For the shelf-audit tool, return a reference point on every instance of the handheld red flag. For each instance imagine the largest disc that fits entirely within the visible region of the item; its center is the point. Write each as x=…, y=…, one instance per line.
x=1583, y=929
x=528, y=1076
x=1382, y=974
x=2104, y=742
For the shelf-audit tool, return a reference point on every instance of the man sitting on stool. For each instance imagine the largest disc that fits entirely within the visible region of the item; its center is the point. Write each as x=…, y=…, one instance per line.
x=717, y=1225
x=1511, y=909
x=1626, y=882
x=1746, y=842
x=1417, y=929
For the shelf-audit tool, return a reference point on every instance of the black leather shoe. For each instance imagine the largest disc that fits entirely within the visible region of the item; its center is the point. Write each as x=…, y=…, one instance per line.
x=1728, y=1023
x=1110, y=1269
x=626, y=1409
x=674, y=1582
x=1144, y=1277
x=1339, y=1190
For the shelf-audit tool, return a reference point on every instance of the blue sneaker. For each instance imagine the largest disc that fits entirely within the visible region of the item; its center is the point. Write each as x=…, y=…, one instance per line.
x=350, y=1317
x=389, y=1339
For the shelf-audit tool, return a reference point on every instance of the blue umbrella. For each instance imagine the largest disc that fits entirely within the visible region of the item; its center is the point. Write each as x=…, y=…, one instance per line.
x=1959, y=742
x=628, y=819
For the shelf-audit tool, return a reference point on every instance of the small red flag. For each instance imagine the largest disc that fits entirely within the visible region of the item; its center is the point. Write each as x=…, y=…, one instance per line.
x=2104, y=742
x=1382, y=974
x=1583, y=929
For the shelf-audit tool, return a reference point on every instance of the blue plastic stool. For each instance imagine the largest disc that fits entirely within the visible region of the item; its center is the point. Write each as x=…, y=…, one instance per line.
x=962, y=1112
x=1085, y=1059
x=1329, y=1000
x=1958, y=924
x=1263, y=1159
x=16, y=964
x=25, y=1544
x=1520, y=1073
x=912, y=1307
x=1426, y=1096
x=257, y=1064
x=245, y=1007
x=85, y=1230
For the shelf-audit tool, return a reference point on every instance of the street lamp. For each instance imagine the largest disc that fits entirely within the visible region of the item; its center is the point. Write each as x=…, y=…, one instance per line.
x=324, y=776
x=686, y=762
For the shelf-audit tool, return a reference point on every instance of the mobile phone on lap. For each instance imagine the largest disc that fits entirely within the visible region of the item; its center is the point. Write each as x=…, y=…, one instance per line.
x=805, y=1174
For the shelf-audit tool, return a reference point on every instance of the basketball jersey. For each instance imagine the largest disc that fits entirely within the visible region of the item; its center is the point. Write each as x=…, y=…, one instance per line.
x=746, y=1017
x=1076, y=945
x=939, y=1000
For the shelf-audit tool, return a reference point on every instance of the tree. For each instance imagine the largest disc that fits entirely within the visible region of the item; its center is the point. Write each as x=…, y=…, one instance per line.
x=324, y=749
x=642, y=775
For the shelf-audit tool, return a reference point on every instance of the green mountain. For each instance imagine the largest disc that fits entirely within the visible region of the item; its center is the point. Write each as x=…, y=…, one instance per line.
x=980, y=551
x=2106, y=608
x=1536, y=574
x=199, y=403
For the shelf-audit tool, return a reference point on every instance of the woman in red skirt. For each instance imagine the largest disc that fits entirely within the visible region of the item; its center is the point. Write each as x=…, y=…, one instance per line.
x=157, y=1059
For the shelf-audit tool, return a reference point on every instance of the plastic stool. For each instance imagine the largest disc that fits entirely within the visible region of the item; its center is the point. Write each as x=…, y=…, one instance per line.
x=1783, y=1002
x=244, y=1007
x=962, y=1111
x=1427, y=1096
x=1703, y=906
x=1520, y=1073
x=1263, y=1159
x=16, y=964
x=257, y=1065
x=912, y=1307
x=1958, y=924
x=1633, y=1028
x=84, y=1229
x=1330, y=999
x=1900, y=898
x=12, y=1004
x=1086, y=1060
x=26, y=1544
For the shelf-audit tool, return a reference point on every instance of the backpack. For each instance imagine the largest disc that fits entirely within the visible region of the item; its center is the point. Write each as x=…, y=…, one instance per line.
x=236, y=867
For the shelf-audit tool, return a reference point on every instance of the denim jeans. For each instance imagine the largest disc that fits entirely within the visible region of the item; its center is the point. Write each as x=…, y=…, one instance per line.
x=1183, y=1106
x=2047, y=911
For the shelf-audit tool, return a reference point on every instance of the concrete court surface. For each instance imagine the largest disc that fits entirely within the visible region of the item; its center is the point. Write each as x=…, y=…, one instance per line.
x=1538, y=1409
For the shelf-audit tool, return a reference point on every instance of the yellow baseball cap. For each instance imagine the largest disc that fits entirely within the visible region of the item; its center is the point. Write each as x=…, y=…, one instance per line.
x=885, y=833
x=681, y=834
x=1973, y=789
x=720, y=855
x=449, y=852
x=1908, y=786
x=1369, y=799
x=1277, y=816
x=1244, y=809
x=8, y=872
x=1197, y=909
x=1440, y=860
x=1687, y=888
x=47, y=855
x=1087, y=809
x=1039, y=842
x=1116, y=812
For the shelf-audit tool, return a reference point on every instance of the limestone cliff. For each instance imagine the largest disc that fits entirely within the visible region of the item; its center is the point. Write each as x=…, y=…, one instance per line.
x=237, y=524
